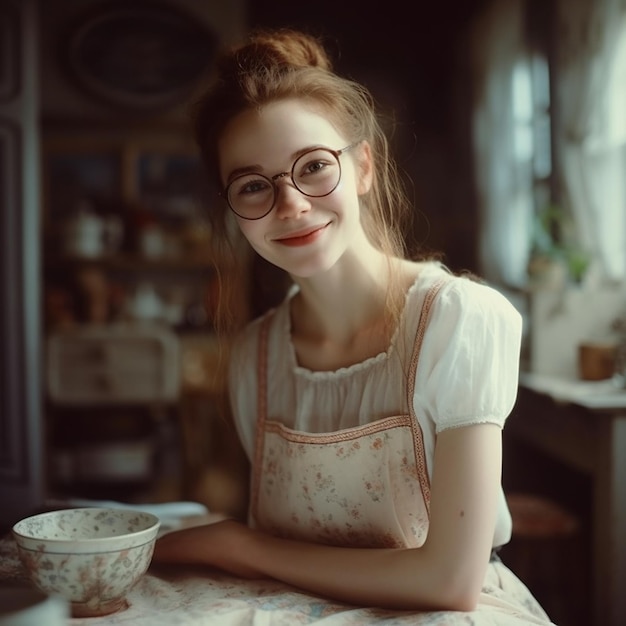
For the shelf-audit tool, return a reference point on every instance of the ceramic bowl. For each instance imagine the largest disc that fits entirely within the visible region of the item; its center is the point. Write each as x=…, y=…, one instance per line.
x=90, y=556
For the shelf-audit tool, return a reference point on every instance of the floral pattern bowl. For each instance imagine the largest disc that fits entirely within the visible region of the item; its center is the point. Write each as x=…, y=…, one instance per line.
x=90, y=556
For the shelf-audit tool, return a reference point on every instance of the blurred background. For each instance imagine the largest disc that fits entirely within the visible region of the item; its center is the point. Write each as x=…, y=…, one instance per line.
x=506, y=118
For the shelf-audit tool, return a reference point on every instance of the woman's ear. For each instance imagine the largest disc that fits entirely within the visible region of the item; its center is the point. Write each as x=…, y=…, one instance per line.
x=365, y=168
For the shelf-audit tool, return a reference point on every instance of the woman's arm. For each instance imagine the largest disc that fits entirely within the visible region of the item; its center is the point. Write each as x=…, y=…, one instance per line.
x=446, y=573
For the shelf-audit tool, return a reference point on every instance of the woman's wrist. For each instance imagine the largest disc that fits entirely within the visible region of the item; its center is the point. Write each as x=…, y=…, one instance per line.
x=253, y=550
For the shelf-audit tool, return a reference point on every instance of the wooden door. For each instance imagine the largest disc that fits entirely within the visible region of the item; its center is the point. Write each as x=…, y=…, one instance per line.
x=21, y=438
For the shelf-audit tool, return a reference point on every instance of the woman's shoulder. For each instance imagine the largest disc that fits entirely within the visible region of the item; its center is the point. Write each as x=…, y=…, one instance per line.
x=463, y=293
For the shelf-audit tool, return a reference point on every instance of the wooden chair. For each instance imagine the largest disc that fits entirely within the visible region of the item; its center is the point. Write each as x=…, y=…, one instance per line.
x=546, y=553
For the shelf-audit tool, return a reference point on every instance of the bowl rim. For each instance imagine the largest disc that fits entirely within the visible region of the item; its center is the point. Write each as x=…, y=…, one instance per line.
x=154, y=520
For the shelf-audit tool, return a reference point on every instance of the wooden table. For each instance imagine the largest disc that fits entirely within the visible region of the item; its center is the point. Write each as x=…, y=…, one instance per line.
x=583, y=425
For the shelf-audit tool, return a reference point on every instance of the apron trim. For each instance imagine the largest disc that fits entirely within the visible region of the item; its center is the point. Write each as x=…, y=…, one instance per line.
x=347, y=434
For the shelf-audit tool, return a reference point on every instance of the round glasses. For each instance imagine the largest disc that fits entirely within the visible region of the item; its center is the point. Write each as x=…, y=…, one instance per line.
x=315, y=173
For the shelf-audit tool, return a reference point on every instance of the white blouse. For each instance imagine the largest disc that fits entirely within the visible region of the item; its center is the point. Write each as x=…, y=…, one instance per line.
x=467, y=372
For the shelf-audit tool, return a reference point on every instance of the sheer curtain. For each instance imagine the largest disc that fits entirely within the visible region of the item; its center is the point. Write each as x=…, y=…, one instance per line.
x=590, y=127
x=502, y=139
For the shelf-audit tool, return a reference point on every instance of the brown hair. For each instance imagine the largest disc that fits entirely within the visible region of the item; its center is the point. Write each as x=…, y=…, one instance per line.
x=287, y=64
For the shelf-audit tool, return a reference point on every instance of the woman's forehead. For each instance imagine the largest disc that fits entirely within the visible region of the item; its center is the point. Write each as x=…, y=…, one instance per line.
x=275, y=132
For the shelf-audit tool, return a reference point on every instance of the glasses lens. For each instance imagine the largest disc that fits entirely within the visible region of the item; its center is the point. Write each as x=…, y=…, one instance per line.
x=251, y=195
x=316, y=173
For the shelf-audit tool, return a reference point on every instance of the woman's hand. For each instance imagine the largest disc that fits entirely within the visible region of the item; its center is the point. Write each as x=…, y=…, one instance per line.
x=224, y=545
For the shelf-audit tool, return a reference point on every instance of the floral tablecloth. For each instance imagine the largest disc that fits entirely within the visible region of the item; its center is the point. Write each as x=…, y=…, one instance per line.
x=188, y=596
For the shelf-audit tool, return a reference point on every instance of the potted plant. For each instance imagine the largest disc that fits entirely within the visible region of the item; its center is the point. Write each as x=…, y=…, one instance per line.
x=556, y=255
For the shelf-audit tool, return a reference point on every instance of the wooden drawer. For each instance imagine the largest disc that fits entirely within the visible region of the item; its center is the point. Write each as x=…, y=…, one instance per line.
x=128, y=364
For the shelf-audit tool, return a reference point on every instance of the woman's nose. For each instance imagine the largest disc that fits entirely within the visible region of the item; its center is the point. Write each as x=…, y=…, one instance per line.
x=290, y=201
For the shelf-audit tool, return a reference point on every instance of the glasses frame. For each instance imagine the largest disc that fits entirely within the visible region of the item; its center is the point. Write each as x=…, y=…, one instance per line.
x=272, y=180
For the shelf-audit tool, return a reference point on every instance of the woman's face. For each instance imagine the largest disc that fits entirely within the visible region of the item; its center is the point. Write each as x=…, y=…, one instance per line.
x=303, y=235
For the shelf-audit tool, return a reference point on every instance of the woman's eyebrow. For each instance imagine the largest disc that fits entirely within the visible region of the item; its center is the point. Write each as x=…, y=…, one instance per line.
x=240, y=171
x=255, y=168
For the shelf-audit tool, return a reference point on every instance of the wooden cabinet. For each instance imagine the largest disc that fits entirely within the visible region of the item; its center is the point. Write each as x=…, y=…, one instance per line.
x=127, y=364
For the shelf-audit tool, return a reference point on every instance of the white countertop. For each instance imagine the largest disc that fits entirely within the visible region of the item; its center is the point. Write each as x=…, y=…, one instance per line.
x=601, y=395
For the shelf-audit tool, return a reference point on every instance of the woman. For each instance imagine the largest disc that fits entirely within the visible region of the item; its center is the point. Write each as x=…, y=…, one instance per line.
x=371, y=400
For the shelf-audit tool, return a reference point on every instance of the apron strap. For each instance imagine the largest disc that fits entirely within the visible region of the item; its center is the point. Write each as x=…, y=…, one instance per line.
x=261, y=409
x=262, y=370
x=418, y=445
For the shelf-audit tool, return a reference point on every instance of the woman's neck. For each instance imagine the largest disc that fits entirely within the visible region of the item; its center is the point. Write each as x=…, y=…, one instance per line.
x=340, y=301
x=342, y=317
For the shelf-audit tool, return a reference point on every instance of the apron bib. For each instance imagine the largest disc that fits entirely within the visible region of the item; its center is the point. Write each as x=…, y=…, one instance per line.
x=365, y=486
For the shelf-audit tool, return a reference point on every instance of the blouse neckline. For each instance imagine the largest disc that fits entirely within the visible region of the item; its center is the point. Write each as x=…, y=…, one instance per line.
x=292, y=361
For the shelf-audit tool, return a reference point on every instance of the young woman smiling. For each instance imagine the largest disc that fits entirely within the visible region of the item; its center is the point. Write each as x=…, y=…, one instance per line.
x=371, y=400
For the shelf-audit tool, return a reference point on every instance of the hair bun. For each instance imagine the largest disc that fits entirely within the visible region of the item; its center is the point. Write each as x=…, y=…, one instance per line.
x=283, y=48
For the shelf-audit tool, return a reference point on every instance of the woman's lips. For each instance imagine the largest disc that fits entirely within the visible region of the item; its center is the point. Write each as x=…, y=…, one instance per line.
x=302, y=239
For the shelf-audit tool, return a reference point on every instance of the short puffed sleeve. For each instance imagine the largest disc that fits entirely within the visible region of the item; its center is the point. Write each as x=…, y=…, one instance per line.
x=468, y=365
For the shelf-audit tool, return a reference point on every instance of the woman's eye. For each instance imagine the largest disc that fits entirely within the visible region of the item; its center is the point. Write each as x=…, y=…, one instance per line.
x=313, y=167
x=317, y=166
x=252, y=186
